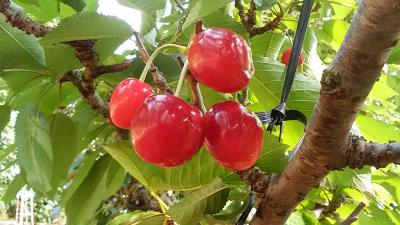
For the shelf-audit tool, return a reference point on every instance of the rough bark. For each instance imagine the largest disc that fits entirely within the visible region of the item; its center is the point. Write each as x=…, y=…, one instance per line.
x=375, y=29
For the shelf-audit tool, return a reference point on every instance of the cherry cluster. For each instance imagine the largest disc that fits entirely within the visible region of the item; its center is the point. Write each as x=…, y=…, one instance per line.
x=167, y=131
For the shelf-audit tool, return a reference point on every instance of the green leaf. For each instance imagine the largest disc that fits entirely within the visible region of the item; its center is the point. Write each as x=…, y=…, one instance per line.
x=144, y=5
x=34, y=149
x=64, y=142
x=202, y=8
x=264, y=4
x=78, y=5
x=79, y=175
x=5, y=113
x=17, y=80
x=267, y=84
x=220, y=18
x=238, y=200
x=139, y=218
x=374, y=130
x=105, y=177
x=343, y=8
x=19, y=50
x=333, y=33
x=348, y=178
x=267, y=44
x=16, y=184
x=312, y=65
x=44, y=11
x=109, y=32
x=272, y=157
x=148, y=22
x=395, y=55
x=5, y=152
x=196, y=204
x=202, y=169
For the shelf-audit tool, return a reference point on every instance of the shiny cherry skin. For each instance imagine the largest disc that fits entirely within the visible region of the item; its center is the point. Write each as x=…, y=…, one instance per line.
x=221, y=60
x=234, y=135
x=167, y=131
x=286, y=56
x=127, y=97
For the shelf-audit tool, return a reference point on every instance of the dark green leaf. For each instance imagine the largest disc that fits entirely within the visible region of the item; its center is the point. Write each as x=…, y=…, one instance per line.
x=17, y=80
x=64, y=142
x=34, y=150
x=18, y=50
x=44, y=11
x=105, y=177
x=197, y=203
x=139, y=218
x=272, y=157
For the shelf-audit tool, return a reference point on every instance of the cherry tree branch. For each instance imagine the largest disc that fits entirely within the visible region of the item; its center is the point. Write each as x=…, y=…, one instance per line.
x=249, y=19
x=258, y=180
x=19, y=20
x=158, y=78
x=360, y=153
x=353, y=216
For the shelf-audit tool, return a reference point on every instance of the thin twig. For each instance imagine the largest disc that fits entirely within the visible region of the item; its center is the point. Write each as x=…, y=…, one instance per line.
x=249, y=20
x=178, y=4
x=197, y=98
x=353, y=216
x=158, y=78
x=113, y=68
x=19, y=20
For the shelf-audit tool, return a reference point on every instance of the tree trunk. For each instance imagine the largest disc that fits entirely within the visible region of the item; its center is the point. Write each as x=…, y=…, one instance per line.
x=345, y=85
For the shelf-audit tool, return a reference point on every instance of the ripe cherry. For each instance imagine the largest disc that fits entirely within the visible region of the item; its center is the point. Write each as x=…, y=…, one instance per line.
x=166, y=131
x=286, y=56
x=234, y=135
x=127, y=97
x=220, y=59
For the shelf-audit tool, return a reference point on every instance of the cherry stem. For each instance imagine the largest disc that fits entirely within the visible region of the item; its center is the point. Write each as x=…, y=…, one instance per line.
x=164, y=207
x=182, y=78
x=153, y=56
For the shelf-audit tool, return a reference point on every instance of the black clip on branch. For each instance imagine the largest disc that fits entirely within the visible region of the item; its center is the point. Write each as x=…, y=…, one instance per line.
x=280, y=113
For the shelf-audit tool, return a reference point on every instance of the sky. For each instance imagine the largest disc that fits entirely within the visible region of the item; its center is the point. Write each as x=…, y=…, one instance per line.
x=129, y=15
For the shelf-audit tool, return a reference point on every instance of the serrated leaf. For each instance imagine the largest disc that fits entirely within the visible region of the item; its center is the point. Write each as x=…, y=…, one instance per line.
x=202, y=8
x=202, y=169
x=348, y=178
x=105, y=177
x=193, y=206
x=5, y=113
x=34, y=150
x=5, y=152
x=64, y=142
x=44, y=11
x=139, y=218
x=19, y=50
x=16, y=184
x=144, y=5
x=267, y=84
x=109, y=31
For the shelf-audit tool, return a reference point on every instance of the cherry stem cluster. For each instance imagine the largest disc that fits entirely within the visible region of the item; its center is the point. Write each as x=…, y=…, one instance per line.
x=149, y=63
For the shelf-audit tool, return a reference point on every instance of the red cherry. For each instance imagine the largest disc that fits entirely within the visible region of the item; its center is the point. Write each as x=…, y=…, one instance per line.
x=127, y=97
x=220, y=59
x=286, y=56
x=234, y=135
x=166, y=131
